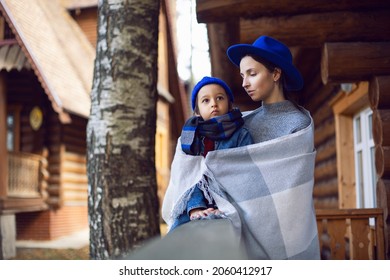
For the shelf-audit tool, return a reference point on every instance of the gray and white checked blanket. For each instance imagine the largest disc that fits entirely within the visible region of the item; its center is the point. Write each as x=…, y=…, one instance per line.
x=265, y=190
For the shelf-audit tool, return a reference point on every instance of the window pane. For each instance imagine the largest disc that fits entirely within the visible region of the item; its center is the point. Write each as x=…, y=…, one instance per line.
x=358, y=131
x=360, y=183
x=374, y=176
x=10, y=133
x=370, y=126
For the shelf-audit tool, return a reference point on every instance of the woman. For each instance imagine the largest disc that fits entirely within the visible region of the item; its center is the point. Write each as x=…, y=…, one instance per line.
x=267, y=75
x=264, y=189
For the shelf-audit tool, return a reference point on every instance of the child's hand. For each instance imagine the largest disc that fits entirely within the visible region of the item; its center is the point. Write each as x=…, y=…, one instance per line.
x=200, y=213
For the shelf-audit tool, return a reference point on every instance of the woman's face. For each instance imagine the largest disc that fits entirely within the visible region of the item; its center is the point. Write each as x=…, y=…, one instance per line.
x=259, y=82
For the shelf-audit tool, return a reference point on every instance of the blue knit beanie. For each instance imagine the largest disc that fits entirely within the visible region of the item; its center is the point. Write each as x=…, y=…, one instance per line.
x=207, y=81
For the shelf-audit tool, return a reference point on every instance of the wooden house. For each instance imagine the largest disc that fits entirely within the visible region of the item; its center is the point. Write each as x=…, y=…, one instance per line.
x=46, y=62
x=342, y=49
x=172, y=106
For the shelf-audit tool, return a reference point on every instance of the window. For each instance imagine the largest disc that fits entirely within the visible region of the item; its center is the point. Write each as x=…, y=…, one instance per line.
x=347, y=107
x=10, y=132
x=364, y=160
x=13, y=128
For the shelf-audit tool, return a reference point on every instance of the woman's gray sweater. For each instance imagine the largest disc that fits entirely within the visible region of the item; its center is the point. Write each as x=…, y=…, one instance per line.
x=275, y=120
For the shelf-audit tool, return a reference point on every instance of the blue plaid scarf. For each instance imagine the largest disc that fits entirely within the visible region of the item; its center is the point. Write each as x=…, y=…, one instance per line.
x=218, y=128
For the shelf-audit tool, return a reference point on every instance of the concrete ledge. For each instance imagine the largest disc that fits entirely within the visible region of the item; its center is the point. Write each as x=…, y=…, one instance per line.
x=196, y=240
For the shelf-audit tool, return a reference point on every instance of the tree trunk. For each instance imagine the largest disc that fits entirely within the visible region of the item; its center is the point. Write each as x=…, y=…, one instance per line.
x=123, y=204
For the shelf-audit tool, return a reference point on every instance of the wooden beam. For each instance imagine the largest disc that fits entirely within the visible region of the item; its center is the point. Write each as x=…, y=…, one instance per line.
x=383, y=201
x=379, y=92
x=179, y=109
x=220, y=10
x=382, y=161
x=381, y=127
x=3, y=139
x=352, y=62
x=312, y=30
x=221, y=36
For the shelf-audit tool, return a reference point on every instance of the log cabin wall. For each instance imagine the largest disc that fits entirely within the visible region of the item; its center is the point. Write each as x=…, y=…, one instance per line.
x=65, y=148
x=67, y=184
x=74, y=171
x=25, y=92
x=379, y=96
x=325, y=174
x=87, y=20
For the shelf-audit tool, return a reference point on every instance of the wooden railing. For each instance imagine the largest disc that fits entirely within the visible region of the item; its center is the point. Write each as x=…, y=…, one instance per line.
x=27, y=175
x=356, y=234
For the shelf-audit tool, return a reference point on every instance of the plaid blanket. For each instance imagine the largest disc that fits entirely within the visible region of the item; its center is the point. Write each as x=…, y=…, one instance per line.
x=265, y=190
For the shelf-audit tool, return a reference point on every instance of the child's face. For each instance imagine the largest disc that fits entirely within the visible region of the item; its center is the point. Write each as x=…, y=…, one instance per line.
x=212, y=101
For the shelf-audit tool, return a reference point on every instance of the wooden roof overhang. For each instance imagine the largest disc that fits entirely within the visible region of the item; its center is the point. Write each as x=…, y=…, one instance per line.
x=55, y=101
x=57, y=51
x=309, y=28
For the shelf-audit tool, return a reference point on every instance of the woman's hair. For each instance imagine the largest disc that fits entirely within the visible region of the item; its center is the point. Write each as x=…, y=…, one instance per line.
x=271, y=68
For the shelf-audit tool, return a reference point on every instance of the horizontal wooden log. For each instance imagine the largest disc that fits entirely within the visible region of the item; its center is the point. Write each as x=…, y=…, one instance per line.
x=379, y=92
x=317, y=98
x=219, y=10
x=382, y=161
x=328, y=189
x=54, y=202
x=313, y=30
x=383, y=197
x=381, y=127
x=326, y=170
x=329, y=203
x=354, y=62
x=75, y=197
x=76, y=149
x=77, y=130
x=74, y=169
x=74, y=178
x=54, y=179
x=324, y=132
x=81, y=142
x=322, y=114
x=326, y=150
x=79, y=158
x=75, y=187
x=53, y=190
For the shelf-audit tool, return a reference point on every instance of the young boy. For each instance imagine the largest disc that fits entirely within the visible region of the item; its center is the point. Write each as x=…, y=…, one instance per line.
x=215, y=125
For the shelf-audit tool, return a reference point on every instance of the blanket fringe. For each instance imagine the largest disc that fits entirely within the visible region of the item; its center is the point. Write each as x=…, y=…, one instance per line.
x=205, y=184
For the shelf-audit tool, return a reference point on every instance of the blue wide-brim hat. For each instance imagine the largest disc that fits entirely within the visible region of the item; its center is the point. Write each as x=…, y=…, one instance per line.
x=207, y=81
x=273, y=51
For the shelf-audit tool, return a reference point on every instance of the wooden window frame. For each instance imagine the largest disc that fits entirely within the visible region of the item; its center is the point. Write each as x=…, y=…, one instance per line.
x=345, y=106
x=366, y=199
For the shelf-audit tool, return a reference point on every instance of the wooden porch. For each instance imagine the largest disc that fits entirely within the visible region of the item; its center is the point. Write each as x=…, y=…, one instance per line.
x=27, y=183
x=351, y=234
x=344, y=234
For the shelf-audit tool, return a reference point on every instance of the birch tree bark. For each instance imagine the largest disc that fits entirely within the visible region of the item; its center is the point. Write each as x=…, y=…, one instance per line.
x=123, y=204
